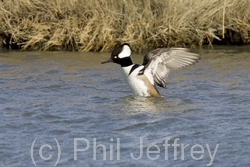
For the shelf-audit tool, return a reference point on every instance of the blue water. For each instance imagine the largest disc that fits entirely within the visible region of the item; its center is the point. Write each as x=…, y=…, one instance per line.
x=66, y=109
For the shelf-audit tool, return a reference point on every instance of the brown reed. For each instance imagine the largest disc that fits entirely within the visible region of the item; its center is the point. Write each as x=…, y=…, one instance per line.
x=83, y=25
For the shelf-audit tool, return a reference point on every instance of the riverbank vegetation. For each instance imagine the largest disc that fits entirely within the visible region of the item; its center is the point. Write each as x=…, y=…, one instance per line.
x=83, y=25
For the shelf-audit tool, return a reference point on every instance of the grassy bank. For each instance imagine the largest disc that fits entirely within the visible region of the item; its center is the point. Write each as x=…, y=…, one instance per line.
x=83, y=25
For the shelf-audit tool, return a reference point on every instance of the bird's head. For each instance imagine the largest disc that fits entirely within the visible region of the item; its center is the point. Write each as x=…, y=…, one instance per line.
x=121, y=55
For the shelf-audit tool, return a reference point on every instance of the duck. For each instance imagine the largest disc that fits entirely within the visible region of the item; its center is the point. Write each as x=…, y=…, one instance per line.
x=154, y=70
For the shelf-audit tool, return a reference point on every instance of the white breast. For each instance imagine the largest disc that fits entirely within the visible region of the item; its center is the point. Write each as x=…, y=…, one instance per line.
x=137, y=85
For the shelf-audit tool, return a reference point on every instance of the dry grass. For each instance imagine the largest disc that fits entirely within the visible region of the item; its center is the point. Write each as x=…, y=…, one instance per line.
x=83, y=25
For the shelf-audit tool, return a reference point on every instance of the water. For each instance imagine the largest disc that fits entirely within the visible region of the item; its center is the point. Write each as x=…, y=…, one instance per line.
x=71, y=99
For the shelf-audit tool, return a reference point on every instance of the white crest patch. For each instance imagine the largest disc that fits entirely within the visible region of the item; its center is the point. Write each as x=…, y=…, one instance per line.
x=126, y=52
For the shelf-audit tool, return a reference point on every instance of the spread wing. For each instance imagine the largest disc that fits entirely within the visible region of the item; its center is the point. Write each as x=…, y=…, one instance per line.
x=160, y=61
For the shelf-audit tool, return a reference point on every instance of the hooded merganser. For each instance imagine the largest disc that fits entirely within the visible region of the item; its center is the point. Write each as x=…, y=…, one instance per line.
x=154, y=70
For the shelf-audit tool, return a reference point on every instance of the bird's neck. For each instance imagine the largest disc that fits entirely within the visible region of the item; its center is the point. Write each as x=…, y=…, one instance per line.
x=126, y=62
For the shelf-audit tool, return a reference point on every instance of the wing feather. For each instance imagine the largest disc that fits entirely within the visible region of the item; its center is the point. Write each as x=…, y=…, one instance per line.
x=159, y=62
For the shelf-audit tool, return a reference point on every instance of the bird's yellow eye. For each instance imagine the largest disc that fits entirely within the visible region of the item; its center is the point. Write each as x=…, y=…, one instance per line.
x=115, y=57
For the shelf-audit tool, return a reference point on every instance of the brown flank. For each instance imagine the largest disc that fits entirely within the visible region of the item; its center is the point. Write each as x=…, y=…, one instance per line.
x=152, y=91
